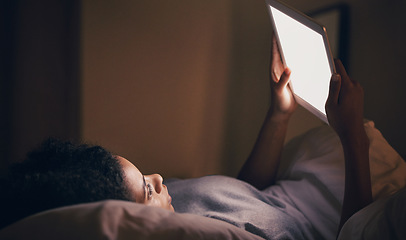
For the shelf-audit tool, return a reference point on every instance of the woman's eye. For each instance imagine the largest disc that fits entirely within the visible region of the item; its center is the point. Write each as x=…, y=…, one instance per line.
x=150, y=190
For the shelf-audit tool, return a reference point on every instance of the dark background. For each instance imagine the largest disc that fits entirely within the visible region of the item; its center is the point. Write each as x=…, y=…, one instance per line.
x=40, y=70
x=39, y=75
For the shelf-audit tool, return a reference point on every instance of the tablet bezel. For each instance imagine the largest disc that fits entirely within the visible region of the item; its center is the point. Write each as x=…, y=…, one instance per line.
x=315, y=26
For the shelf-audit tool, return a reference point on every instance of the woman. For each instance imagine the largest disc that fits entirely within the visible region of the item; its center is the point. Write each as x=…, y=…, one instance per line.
x=61, y=173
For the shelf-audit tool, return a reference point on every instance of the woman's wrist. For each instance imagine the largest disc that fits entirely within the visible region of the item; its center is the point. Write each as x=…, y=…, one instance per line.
x=278, y=117
x=355, y=136
x=356, y=149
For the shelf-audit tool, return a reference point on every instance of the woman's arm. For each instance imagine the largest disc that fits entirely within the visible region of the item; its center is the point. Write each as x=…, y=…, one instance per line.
x=261, y=166
x=344, y=109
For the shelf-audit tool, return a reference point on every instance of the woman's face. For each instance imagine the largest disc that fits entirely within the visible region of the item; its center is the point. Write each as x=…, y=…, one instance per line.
x=147, y=189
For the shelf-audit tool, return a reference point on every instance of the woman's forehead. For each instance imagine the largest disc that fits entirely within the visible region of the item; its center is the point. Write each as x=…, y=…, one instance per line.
x=134, y=179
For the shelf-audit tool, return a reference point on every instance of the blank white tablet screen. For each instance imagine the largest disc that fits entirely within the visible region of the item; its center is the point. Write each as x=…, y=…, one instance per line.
x=305, y=54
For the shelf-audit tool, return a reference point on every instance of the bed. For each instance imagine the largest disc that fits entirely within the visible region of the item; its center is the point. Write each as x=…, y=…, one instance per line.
x=315, y=155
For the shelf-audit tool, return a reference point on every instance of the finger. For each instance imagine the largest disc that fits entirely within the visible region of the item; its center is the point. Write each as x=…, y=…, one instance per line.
x=274, y=45
x=276, y=56
x=284, y=80
x=341, y=70
x=335, y=86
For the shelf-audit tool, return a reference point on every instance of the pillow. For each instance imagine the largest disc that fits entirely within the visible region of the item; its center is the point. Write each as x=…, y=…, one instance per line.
x=388, y=169
x=319, y=153
x=113, y=219
x=312, y=174
x=383, y=219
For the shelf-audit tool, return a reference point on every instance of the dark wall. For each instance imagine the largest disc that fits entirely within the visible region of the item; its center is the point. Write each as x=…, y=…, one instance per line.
x=39, y=74
x=6, y=41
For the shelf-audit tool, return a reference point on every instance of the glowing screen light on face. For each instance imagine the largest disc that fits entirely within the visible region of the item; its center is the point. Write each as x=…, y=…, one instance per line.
x=305, y=54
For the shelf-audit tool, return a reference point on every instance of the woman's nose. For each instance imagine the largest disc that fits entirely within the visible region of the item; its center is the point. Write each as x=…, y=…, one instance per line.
x=157, y=182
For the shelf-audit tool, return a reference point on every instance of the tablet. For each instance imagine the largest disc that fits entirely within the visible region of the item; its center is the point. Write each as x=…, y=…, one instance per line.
x=305, y=49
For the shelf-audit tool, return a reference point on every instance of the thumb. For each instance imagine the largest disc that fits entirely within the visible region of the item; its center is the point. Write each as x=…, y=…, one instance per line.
x=335, y=86
x=284, y=80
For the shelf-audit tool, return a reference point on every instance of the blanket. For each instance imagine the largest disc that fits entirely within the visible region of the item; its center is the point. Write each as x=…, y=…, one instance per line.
x=269, y=214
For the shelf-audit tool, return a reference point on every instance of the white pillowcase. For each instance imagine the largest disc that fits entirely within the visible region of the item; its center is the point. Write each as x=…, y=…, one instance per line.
x=319, y=152
x=383, y=219
x=388, y=169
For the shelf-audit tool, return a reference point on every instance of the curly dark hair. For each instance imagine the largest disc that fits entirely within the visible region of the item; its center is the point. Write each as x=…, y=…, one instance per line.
x=60, y=173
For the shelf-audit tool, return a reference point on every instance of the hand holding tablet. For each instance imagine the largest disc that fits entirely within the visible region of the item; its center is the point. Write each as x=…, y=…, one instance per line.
x=305, y=49
x=283, y=103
